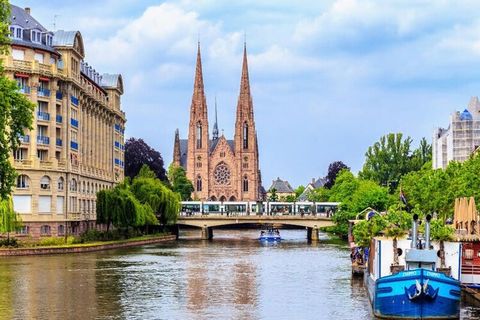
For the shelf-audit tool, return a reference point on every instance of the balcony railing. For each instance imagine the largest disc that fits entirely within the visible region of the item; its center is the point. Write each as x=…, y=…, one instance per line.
x=59, y=142
x=25, y=139
x=59, y=118
x=43, y=92
x=24, y=89
x=117, y=144
x=41, y=115
x=74, y=100
x=43, y=140
x=74, y=145
x=59, y=95
x=74, y=122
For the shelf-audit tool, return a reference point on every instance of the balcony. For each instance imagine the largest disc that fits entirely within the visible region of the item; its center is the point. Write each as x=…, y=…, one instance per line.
x=74, y=145
x=59, y=142
x=117, y=144
x=44, y=140
x=43, y=92
x=74, y=122
x=24, y=139
x=117, y=162
x=24, y=89
x=59, y=95
x=45, y=116
x=59, y=118
x=74, y=100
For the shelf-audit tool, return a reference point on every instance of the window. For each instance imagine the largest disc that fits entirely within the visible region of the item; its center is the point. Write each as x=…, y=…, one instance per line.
x=45, y=183
x=36, y=36
x=245, y=184
x=199, y=183
x=73, y=185
x=42, y=155
x=199, y=135
x=199, y=164
x=23, y=230
x=61, y=230
x=61, y=183
x=245, y=136
x=245, y=165
x=39, y=57
x=45, y=230
x=22, y=82
x=49, y=40
x=18, y=54
x=22, y=182
x=20, y=154
x=16, y=32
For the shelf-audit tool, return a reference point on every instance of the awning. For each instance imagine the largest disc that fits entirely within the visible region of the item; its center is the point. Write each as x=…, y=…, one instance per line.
x=21, y=75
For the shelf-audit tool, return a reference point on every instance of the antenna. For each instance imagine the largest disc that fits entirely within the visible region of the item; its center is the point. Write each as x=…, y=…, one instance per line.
x=55, y=16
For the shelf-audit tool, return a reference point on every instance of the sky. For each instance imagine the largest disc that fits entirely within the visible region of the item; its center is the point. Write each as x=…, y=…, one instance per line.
x=328, y=78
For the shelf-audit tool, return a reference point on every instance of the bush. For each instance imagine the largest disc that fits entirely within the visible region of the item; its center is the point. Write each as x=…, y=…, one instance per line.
x=11, y=243
x=55, y=241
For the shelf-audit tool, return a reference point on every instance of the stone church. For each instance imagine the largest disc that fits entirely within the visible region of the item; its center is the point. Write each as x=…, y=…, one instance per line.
x=221, y=169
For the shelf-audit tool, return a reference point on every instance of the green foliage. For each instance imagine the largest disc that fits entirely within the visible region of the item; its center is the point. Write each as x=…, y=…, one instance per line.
x=273, y=195
x=390, y=158
x=365, y=230
x=299, y=190
x=180, y=183
x=439, y=231
x=289, y=198
x=9, y=219
x=319, y=195
x=55, y=241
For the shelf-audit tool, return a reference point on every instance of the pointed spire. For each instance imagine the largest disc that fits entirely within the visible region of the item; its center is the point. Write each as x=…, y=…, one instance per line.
x=176, y=149
x=245, y=82
x=198, y=90
x=215, y=125
x=244, y=105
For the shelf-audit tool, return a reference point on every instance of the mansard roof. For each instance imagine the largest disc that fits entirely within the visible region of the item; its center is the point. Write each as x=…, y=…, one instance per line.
x=112, y=81
x=282, y=186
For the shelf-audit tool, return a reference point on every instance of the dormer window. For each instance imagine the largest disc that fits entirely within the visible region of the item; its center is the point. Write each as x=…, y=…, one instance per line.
x=49, y=40
x=16, y=32
x=36, y=36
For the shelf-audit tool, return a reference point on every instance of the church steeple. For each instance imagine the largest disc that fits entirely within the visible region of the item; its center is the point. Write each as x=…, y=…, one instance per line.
x=176, y=149
x=215, y=125
x=245, y=105
x=199, y=102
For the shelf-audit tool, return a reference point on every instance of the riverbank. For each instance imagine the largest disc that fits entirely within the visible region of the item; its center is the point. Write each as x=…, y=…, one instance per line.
x=86, y=247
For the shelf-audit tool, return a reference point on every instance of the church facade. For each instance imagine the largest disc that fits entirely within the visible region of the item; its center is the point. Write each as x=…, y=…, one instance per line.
x=221, y=169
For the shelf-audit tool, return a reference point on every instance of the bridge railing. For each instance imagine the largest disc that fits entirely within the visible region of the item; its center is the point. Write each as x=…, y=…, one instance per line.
x=236, y=209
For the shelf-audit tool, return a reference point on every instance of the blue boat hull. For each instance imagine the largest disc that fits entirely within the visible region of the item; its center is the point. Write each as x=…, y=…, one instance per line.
x=416, y=294
x=270, y=238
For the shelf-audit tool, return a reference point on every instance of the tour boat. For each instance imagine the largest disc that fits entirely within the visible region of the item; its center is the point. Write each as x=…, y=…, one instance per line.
x=416, y=288
x=270, y=235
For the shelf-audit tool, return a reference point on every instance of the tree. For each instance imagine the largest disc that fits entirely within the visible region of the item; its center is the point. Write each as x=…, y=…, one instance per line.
x=421, y=155
x=9, y=219
x=441, y=232
x=398, y=224
x=273, y=195
x=333, y=170
x=179, y=182
x=388, y=160
x=138, y=153
x=319, y=195
x=16, y=111
x=298, y=191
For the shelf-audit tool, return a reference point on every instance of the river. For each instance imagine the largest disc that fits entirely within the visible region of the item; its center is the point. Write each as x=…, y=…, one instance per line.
x=230, y=277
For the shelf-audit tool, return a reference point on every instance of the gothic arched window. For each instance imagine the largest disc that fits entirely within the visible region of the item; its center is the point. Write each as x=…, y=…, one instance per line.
x=199, y=183
x=245, y=184
x=245, y=136
x=199, y=135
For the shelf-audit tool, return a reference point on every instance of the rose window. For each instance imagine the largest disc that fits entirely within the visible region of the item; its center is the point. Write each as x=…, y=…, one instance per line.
x=222, y=174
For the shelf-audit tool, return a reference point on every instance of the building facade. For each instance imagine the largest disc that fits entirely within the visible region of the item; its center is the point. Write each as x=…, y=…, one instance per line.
x=460, y=139
x=220, y=169
x=76, y=145
x=282, y=188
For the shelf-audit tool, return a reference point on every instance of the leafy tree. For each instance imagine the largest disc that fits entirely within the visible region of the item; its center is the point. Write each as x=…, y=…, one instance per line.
x=421, y=155
x=9, y=219
x=138, y=153
x=273, y=195
x=398, y=224
x=441, y=232
x=319, y=195
x=333, y=170
x=179, y=182
x=364, y=231
x=16, y=111
x=289, y=198
x=298, y=191
x=388, y=160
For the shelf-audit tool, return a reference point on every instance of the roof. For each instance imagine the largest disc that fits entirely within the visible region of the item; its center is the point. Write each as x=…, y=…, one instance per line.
x=320, y=182
x=184, y=149
x=213, y=144
x=19, y=17
x=112, y=81
x=466, y=115
x=282, y=186
x=64, y=38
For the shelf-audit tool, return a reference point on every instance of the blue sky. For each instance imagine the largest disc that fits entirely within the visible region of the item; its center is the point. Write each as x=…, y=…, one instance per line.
x=328, y=77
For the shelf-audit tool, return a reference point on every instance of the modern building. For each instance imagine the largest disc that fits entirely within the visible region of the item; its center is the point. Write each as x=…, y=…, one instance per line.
x=314, y=184
x=283, y=189
x=76, y=145
x=221, y=169
x=460, y=139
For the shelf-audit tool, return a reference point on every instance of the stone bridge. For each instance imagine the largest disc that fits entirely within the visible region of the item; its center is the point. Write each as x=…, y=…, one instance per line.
x=207, y=222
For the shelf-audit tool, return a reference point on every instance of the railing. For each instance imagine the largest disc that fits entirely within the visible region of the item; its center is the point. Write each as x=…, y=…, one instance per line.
x=117, y=144
x=22, y=65
x=24, y=89
x=43, y=92
x=74, y=122
x=25, y=139
x=44, y=68
x=59, y=95
x=74, y=145
x=41, y=115
x=74, y=100
x=59, y=118
x=59, y=142
x=43, y=140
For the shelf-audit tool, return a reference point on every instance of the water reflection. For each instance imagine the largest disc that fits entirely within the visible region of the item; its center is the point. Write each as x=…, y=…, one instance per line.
x=232, y=277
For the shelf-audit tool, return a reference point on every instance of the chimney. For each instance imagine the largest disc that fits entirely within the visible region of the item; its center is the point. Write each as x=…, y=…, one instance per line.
x=27, y=10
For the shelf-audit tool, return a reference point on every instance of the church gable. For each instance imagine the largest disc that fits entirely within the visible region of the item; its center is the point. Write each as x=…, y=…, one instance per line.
x=221, y=147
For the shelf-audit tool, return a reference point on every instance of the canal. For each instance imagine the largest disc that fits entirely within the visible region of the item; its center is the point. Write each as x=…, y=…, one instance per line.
x=231, y=277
